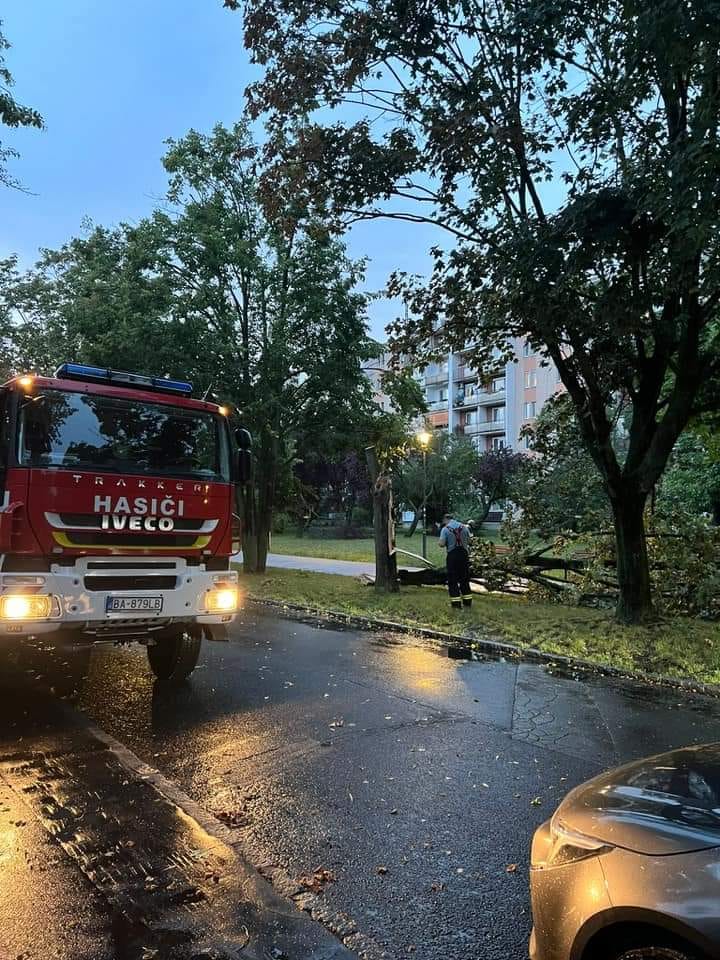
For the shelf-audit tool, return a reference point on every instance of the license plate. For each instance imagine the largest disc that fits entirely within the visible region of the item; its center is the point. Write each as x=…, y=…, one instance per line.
x=133, y=604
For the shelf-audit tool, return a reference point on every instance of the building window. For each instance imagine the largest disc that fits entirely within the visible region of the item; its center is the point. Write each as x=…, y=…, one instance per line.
x=527, y=443
x=498, y=443
x=498, y=385
x=526, y=349
x=469, y=390
x=443, y=396
x=531, y=378
x=530, y=410
x=467, y=418
x=497, y=414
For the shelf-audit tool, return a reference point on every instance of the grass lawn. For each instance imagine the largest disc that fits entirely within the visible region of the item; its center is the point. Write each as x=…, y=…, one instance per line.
x=678, y=647
x=291, y=545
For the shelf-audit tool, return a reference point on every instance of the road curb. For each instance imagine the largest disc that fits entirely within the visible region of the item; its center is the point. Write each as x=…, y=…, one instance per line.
x=278, y=903
x=497, y=648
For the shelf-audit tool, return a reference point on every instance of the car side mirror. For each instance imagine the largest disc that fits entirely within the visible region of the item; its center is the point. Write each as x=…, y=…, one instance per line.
x=243, y=456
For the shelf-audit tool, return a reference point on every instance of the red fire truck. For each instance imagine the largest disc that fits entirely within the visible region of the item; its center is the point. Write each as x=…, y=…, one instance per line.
x=117, y=513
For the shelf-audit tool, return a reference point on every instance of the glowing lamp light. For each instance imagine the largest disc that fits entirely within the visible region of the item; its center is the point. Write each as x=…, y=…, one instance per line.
x=26, y=381
x=224, y=411
x=424, y=438
x=222, y=600
x=25, y=606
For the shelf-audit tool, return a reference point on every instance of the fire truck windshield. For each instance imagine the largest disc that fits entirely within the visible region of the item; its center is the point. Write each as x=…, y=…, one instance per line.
x=87, y=431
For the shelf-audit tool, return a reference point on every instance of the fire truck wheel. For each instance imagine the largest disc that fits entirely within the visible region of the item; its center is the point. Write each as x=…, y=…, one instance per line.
x=173, y=657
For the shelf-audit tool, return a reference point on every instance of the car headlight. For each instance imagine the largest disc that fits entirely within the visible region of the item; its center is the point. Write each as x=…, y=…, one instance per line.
x=569, y=846
x=222, y=599
x=25, y=606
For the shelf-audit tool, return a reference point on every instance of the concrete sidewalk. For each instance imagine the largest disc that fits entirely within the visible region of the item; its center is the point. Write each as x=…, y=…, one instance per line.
x=345, y=568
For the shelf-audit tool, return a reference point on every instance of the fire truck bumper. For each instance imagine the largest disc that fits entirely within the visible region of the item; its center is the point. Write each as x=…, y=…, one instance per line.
x=106, y=596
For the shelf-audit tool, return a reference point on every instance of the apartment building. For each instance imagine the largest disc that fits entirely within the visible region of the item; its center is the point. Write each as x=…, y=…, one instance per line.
x=374, y=368
x=491, y=411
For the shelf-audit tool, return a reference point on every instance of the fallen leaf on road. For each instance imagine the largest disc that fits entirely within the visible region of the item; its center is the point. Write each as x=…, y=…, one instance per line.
x=511, y=868
x=231, y=818
x=437, y=886
x=536, y=801
x=316, y=881
x=381, y=870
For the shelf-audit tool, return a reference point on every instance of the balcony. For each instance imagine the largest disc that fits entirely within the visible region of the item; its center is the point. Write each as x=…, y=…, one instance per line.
x=436, y=377
x=437, y=404
x=486, y=427
x=487, y=397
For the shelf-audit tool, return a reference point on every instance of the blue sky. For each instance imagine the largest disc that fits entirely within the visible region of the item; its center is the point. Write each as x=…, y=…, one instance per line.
x=113, y=81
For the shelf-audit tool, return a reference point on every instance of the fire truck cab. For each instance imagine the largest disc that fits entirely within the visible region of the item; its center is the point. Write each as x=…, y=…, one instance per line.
x=116, y=520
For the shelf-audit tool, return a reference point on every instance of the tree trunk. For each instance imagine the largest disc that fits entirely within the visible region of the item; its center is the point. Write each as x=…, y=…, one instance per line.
x=245, y=504
x=386, y=578
x=258, y=501
x=266, y=486
x=633, y=570
x=413, y=526
x=261, y=544
x=349, y=506
x=485, y=506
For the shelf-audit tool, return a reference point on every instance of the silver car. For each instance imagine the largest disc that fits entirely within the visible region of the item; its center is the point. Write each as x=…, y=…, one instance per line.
x=628, y=868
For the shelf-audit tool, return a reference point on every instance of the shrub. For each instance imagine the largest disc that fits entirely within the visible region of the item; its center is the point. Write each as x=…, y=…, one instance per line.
x=281, y=522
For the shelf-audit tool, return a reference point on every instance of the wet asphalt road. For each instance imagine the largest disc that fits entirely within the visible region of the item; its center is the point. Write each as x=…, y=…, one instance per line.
x=414, y=777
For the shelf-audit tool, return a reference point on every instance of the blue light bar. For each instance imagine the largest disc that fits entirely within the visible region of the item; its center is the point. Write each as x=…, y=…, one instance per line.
x=81, y=371
x=177, y=386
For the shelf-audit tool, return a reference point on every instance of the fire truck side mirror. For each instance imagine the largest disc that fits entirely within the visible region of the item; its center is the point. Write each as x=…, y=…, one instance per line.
x=243, y=438
x=243, y=457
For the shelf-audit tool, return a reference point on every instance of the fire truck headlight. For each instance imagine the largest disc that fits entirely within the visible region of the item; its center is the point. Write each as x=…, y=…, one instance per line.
x=25, y=606
x=222, y=600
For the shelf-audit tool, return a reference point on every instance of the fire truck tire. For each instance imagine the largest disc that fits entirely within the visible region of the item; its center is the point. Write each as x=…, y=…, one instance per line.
x=174, y=657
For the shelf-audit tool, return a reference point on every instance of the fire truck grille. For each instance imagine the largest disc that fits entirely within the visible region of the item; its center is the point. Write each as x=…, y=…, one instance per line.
x=97, y=538
x=137, y=626
x=130, y=583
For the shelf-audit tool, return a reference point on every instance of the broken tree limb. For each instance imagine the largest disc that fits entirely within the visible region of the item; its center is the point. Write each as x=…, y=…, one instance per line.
x=386, y=576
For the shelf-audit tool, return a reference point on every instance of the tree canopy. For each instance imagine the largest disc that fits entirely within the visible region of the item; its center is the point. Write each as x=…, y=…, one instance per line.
x=12, y=113
x=207, y=289
x=569, y=150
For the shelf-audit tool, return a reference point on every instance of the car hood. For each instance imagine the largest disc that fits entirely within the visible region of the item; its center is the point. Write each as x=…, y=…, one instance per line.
x=660, y=805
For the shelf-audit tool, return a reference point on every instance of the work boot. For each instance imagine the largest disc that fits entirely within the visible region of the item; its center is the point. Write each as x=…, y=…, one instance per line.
x=467, y=601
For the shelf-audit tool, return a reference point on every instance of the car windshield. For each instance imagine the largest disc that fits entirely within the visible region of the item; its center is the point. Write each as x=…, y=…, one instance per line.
x=89, y=431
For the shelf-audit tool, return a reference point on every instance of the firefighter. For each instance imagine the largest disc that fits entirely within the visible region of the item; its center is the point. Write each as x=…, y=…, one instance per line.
x=455, y=537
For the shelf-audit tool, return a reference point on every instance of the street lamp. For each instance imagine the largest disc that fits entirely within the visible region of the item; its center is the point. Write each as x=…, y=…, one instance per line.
x=423, y=437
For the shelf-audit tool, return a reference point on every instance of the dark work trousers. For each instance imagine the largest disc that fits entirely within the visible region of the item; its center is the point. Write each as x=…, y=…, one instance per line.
x=458, y=568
